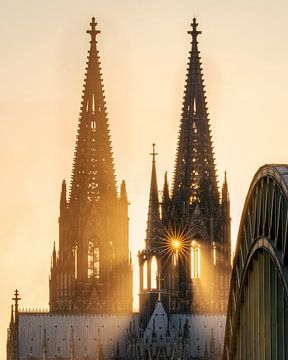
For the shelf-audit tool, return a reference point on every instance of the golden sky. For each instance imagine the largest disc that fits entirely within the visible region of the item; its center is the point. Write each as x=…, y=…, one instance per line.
x=144, y=52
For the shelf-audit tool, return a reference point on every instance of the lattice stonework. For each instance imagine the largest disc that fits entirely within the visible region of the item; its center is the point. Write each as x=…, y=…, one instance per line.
x=93, y=257
x=195, y=163
x=93, y=170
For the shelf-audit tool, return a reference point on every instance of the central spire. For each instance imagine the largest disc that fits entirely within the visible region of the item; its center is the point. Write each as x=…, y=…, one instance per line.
x=93, y=175
x=153, y=208
x=194, y=173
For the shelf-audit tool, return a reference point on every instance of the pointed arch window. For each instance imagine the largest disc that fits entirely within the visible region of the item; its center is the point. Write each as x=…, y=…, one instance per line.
x=154, y=273
x=145, y=274
x=195, y=260
x=214, y=254
x=194, y=109
x=75, y=252
x=93, y=261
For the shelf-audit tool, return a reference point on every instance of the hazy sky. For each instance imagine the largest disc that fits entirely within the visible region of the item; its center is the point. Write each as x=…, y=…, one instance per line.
x=144, y=50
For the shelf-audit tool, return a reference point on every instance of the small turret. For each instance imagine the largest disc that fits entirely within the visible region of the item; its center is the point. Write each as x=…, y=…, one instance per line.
x=165, y=199
x=225, y=192
x=12, y=316
x=54, y=255
x=63, y=198
x=123, y=192
x=166, y=195
x=123, y=199
x=16, y=304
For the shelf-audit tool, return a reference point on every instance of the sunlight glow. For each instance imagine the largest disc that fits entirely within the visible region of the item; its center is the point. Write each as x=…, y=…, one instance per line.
x=153, y=273
x=75, y=252
x=195, y=260
x=145, y=275
x=214, y=254
x=93, y=261
x=176, y=244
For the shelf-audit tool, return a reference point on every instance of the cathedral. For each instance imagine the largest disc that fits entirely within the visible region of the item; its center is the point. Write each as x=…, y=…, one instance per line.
x=184, y=268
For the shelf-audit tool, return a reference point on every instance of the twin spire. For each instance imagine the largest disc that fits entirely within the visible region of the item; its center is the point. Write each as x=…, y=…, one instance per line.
x=195, y=180
x=93, y=177
x=194, y=172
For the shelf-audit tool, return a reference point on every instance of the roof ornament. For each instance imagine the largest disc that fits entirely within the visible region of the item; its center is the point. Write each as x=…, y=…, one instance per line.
x=93, y=32
x=16, y=299
x=153, y=154
x=194, y=33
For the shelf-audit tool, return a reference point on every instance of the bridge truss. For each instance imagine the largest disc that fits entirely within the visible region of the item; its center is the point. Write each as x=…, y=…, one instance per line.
x=257, y=318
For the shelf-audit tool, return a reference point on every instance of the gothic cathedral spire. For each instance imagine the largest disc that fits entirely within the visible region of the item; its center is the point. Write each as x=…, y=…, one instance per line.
x=194, y=173
x=93, y=176
x=93, y=256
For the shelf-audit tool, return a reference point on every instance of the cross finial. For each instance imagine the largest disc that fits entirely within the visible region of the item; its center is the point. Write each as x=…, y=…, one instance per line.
x=16, y=299
x=93, y=32
x=153, y=153
x=194, y=33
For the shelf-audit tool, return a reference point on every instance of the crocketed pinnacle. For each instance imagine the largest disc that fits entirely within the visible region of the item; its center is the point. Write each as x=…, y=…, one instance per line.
x=153, y=208
x=225, y=191
x=93, y=175
x=166, y=196
x=194, y=173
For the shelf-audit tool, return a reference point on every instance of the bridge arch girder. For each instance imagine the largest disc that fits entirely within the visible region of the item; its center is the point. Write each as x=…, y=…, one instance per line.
x=257, y=317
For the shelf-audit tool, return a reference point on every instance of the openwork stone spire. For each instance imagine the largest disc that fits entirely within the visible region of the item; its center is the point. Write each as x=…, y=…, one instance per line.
x=92, y=271
x=93, y=175
x=194, y=173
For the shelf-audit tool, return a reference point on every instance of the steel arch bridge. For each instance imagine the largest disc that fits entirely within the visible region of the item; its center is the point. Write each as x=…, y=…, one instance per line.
x=257, y=318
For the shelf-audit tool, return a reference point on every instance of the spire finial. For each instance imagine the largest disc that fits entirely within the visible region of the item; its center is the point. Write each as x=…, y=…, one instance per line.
x=194, y=33
x=153, y=154
x=16, y=299
x=93, y=32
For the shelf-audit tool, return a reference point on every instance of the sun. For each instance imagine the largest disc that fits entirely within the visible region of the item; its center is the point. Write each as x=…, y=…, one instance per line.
x=175, y=244
x=174, y=241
